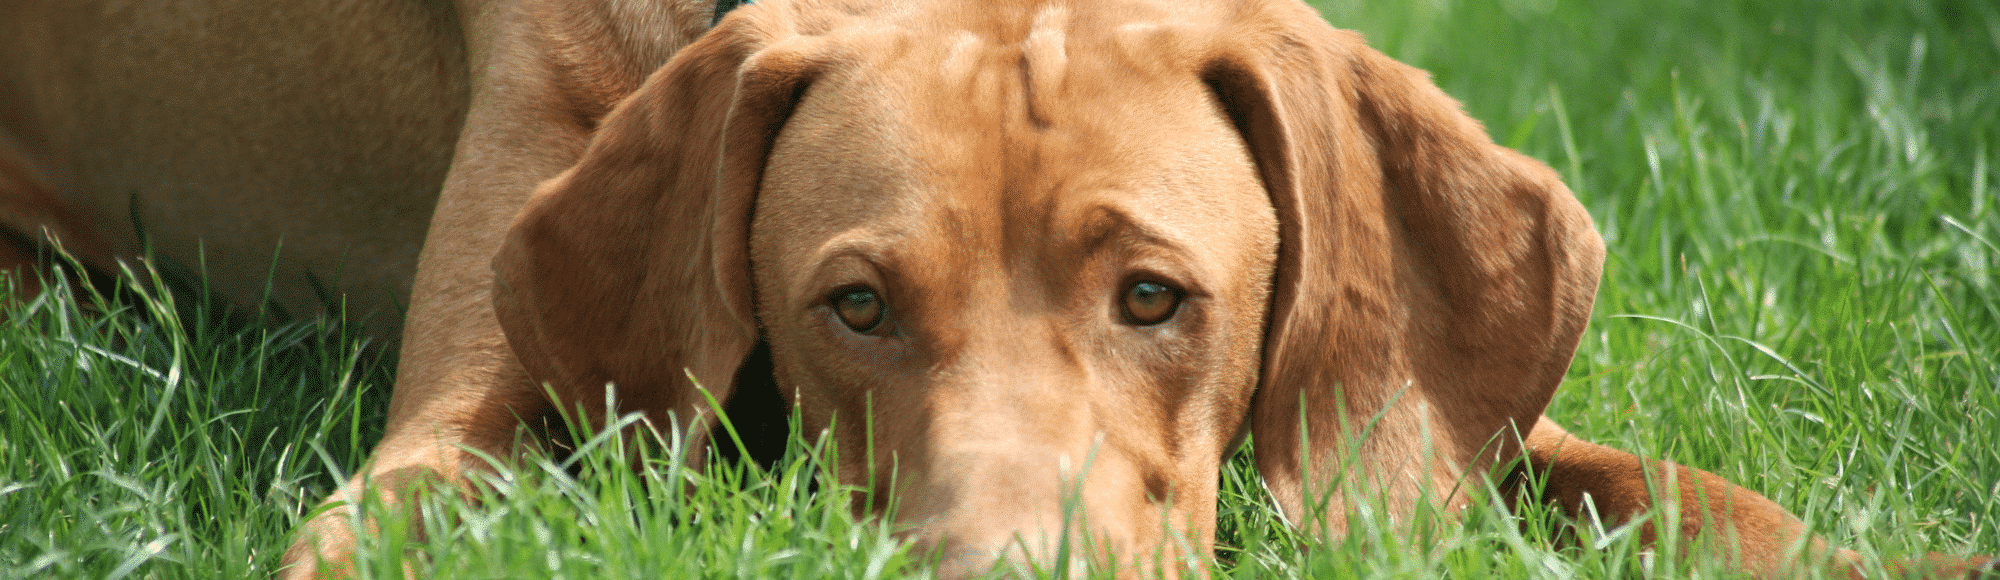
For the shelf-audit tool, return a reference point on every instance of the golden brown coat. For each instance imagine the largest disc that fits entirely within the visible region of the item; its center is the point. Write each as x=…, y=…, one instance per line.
x=1340, y=248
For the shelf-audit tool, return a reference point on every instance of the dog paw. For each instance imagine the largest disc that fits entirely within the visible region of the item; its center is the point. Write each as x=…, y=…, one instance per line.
x=1983, y=568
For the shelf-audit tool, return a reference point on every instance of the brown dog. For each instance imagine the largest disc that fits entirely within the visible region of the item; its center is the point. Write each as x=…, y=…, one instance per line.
x=1030, y=242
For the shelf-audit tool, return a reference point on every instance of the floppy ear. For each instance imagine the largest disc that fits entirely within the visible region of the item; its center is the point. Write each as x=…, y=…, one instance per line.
x=631, y=267
x=1431, y=285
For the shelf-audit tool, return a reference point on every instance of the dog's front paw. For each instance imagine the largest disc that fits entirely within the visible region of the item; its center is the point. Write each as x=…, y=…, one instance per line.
x=324, y=548
x=1984, y=568
x=1941, y=566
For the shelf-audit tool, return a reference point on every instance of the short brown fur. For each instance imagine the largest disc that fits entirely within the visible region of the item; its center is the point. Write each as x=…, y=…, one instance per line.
x=567, y=196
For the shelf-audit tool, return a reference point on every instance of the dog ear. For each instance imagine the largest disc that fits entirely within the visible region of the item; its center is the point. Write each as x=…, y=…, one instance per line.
x=1431, y=285
x=631, y=268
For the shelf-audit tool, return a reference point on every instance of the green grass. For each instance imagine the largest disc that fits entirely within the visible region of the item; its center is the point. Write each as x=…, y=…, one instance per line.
x=1798, y=195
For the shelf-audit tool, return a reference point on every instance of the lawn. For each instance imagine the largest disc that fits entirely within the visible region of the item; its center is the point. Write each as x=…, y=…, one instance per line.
x=1799, y=198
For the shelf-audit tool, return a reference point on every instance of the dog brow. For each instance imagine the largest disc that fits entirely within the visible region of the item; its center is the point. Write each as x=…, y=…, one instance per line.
x=1106, y=226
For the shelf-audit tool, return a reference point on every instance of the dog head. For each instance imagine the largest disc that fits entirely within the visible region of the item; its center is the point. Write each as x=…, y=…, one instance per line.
x=1014, y=256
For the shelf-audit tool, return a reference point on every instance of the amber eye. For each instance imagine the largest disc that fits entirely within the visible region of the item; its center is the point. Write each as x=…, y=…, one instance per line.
x=1149, y=303
x=861, y=309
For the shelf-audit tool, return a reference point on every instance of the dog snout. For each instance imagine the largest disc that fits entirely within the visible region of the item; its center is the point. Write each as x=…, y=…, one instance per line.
x=996, y=500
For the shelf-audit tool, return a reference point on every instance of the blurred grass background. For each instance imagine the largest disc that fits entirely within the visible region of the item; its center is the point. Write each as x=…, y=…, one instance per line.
x=1798, y=197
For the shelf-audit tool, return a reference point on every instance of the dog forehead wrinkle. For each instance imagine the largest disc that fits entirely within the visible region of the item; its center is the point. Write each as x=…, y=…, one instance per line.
x=1044, y=63
x=959, y=57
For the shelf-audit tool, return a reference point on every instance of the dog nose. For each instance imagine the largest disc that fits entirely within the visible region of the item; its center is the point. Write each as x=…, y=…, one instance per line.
x=974, y=551
x=958, y=559
x=1033, y=514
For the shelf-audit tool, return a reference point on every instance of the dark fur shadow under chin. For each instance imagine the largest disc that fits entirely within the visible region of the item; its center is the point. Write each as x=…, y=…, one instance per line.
x=761, y=416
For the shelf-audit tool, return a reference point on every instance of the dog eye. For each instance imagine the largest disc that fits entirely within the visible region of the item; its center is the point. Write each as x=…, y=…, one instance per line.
x=861, y=309
x=1150, y=303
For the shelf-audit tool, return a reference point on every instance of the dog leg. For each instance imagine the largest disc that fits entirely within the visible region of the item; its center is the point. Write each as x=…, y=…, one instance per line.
x=17, y=260
x=21, y=192
x=436, y=445
x=1760, y=536
x=459, y=390
x=31, y=214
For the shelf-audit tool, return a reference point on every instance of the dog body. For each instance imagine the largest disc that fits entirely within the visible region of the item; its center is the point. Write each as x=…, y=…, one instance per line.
x=322, y=146
x=1038, y=246
x=380, y=146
